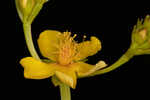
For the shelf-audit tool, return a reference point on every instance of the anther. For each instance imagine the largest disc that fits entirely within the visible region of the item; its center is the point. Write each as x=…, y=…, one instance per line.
x=84, y=37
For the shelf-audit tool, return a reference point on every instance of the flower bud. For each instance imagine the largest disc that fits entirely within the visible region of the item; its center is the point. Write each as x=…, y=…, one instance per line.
x=28, y=9
x=141, y=37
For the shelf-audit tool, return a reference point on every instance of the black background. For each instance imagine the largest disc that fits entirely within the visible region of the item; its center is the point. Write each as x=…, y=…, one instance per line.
x=111, y=22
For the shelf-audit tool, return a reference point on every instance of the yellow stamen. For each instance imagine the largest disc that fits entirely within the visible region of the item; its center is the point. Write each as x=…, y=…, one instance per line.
x=67, y=48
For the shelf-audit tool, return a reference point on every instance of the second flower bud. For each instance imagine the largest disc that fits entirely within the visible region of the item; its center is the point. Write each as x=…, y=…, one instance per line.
x=28, y=9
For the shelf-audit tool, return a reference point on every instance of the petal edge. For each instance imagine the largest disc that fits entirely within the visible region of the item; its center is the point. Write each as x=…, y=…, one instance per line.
x=87, y=69
x=48, y=42
x=88, y=48
x=35, y=69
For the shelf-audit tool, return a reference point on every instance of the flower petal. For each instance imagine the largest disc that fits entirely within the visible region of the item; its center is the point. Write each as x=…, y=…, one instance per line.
x=34, y=69
x=67, y=75
x=48, y=42
x=67, y=78
x=85, y=69
x=88, y=48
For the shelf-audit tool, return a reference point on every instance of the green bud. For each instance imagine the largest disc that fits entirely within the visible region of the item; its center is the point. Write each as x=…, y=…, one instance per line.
x=28, y=9
x=141, y=37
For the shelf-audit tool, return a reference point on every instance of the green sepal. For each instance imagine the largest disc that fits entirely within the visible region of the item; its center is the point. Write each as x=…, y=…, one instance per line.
x=47, y=61
x=29, y=9
x=56, y=81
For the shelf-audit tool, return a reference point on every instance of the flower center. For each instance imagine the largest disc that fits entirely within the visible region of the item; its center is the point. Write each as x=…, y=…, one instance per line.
x=67, y=48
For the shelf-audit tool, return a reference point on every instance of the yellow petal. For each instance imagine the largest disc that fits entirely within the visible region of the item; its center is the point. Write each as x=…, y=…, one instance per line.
x=88, y=48
x=67, y=75
x=85, y=69
x=48, y=42
x=34, y=69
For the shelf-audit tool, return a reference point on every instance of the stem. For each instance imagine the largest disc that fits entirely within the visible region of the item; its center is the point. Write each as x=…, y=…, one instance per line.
x=65, y=92
x=125, y=58
x=29, y=41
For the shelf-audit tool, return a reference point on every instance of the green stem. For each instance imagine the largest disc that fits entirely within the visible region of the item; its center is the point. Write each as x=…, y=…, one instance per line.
x=125, y=58
x=65, y=92
x=29, y=41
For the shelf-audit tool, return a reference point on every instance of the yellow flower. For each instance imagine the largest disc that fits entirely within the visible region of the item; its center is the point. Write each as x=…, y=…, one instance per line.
x=67, y=56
